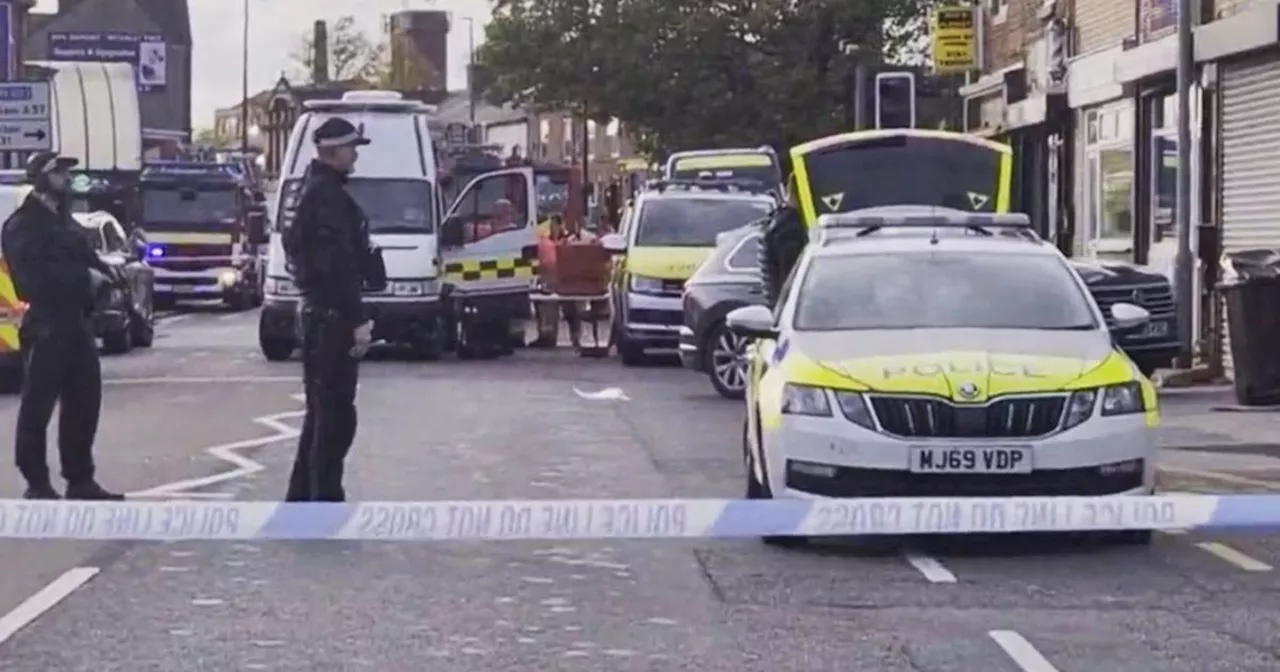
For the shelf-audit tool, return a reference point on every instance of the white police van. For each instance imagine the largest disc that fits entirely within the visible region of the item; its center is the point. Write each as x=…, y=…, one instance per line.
x=396, y=183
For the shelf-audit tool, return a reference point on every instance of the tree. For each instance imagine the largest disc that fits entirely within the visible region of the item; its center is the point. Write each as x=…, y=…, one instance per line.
x=353, y=55
x=210, y=137
x=694, y=74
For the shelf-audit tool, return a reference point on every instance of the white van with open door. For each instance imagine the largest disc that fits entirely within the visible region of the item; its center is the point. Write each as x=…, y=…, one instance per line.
x=396, y=183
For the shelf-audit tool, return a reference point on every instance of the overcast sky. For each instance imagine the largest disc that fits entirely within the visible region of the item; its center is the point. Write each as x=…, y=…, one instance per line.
x=274, y=27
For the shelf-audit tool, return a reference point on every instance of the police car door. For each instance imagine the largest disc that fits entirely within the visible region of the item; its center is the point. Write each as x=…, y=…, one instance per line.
x=501, y=261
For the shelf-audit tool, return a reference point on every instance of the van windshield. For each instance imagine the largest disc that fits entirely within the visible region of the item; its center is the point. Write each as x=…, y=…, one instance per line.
x=391, y=206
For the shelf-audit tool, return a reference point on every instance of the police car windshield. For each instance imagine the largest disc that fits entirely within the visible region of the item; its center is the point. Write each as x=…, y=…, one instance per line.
x=184, y=205
x=904, y=170
x=941, y=290
x=693, y=222
x=394, y=206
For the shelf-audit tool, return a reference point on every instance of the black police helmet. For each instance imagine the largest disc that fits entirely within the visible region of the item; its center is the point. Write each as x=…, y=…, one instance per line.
x=338, y=132
x=40, y=164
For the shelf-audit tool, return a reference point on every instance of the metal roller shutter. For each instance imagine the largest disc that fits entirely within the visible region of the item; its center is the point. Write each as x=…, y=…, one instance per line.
x=1250, y=159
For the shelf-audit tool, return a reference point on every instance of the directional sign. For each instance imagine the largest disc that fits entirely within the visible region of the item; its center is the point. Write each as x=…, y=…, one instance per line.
x=24, y=117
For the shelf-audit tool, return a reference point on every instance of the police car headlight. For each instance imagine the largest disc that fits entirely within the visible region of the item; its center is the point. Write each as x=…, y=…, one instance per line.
x=854, y=407
x=805, y=400
x=1123, y=399
x=1080, y=407
x=280, y=286
x=645, y=285
x=417, y=288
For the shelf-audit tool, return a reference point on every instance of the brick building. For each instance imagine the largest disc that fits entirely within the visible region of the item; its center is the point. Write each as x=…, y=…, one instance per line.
x=1085, y=91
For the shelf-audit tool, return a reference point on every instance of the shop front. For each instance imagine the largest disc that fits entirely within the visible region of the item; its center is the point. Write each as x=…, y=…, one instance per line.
x=1241, y=55
x=1104, y=160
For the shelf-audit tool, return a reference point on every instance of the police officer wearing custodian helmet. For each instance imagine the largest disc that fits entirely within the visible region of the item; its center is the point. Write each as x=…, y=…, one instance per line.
x=56, y=271
x=331, y=259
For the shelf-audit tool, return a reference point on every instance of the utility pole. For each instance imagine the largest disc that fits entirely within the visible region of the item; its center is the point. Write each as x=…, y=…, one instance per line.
x=1184, y=261
x=244, y=81
x=471, y=68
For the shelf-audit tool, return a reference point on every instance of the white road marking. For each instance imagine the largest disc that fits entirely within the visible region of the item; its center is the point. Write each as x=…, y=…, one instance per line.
x=1231, y=555
x=170, y=319
x=44, y=600
x=230, y=452
x=607, y=394
x=930, y=568
x=1021, y=651
x=1225, y=478
x=201, y=380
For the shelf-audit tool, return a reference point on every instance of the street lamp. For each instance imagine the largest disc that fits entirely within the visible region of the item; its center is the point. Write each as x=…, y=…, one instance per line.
x=244, y=82
x=471, y=69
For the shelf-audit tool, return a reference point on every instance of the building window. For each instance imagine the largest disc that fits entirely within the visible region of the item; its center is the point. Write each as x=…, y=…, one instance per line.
x=612, y=138
x=998, y=10
x=591, y=140
x=566, y=129
x=1108, y=187
x=544, y=138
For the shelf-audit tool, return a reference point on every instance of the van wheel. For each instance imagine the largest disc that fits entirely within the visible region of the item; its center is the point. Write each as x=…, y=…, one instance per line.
x=120, y=341
x=142, y=332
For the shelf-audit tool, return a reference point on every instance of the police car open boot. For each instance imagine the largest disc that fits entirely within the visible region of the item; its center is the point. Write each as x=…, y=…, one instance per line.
x=90, y=490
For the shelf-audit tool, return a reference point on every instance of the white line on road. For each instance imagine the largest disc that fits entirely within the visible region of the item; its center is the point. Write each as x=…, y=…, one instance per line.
x=1223, y=477
x=36, y=605
x=201, y=380
x=1231, y=555
x=930, y=568
x=607, y=394
x=230, y=452
x=170, y=319
x=1021, y=651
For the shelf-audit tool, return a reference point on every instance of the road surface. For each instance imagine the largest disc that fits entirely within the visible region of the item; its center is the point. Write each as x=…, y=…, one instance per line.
x=516, y=428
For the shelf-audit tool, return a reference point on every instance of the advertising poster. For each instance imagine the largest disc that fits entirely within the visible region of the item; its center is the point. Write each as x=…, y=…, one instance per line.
x=147, y=53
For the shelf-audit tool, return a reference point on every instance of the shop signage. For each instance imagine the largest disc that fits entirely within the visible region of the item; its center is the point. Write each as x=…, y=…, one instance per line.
x=147, y=53
x=953, y=35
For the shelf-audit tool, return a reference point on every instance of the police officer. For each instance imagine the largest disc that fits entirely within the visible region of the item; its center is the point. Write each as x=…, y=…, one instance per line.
x=57, y=273
x=331, y=259
x=783, y=240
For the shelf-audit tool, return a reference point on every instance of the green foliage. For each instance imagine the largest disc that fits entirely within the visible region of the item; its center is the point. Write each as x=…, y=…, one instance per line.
x=694, y=74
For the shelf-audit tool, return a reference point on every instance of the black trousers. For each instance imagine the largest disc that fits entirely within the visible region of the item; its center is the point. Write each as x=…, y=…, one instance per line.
x=60, y=367
x=330, y=374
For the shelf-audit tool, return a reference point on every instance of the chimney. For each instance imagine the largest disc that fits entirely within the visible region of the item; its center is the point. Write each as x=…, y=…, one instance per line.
x=320, y=55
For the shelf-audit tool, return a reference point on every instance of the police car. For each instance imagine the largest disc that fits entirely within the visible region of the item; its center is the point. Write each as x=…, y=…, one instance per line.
x=927, y=352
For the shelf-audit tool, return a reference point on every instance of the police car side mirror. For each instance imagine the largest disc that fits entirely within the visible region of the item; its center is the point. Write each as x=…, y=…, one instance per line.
x=614, y=243
x=452, y=231
x=751, y=322
x=257, y=228
x=1126, y=316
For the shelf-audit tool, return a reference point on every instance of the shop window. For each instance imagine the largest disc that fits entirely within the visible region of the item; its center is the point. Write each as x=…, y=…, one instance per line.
x=1112, y=191
x=615, y=142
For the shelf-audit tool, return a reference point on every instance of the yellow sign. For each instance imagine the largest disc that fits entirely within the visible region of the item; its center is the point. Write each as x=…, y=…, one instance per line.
x=954, y=37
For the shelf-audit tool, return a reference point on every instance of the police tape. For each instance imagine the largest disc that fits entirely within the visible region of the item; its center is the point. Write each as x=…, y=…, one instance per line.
x=622, y=519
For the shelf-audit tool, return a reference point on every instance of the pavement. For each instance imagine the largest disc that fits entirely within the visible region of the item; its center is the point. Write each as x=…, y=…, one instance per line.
x=200, y=415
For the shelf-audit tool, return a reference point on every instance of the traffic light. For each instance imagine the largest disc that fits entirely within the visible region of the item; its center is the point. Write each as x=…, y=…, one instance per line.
x=895, y=100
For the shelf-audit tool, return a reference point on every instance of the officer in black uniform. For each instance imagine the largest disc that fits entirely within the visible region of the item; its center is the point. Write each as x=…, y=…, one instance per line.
x=57, y=273
x=783, y=240
x=331, y=259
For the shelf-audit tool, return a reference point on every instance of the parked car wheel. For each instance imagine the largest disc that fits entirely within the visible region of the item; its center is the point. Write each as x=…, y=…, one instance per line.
x=726, y=361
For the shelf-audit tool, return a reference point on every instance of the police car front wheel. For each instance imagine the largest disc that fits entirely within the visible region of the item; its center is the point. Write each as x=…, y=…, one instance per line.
x=760, y=490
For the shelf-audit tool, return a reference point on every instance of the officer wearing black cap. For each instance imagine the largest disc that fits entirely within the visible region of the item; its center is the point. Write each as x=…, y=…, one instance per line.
x=331, y=259
x=57, y=273
x=783, y=239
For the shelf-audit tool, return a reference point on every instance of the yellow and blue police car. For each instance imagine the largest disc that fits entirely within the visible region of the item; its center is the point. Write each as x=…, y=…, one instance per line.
x=925, y=351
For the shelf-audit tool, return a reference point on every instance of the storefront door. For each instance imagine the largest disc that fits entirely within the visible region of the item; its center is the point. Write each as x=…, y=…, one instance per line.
x=1108, y=182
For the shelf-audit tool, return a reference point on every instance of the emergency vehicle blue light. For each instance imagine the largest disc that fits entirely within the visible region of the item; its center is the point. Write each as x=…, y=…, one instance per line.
x=155, y=251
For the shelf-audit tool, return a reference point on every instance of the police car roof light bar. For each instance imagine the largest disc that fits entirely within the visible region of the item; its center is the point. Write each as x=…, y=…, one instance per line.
x=713, y=183
x=864, y=224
